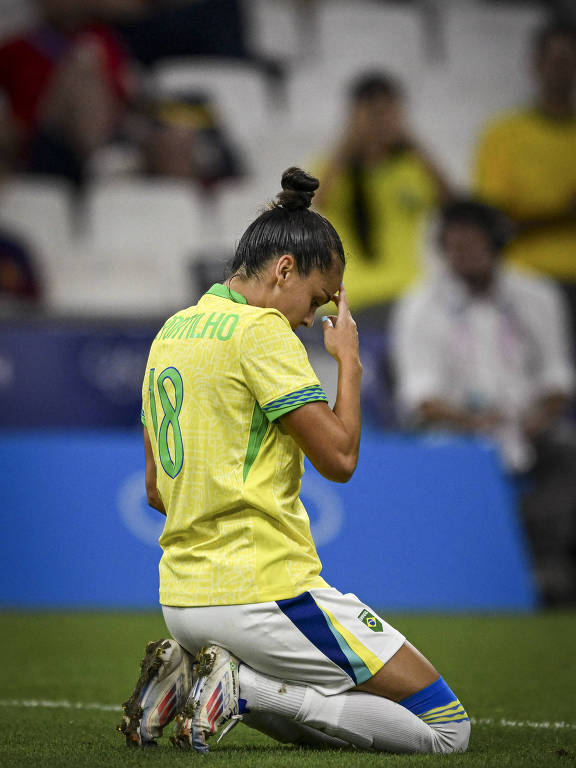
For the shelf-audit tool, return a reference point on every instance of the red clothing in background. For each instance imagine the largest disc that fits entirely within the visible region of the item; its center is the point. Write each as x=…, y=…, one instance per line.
x=28, y=62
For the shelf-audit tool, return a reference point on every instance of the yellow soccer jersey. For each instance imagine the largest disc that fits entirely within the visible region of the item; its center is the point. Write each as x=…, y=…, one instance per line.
x=400, y=193
x=219, y=375
x=526, y=164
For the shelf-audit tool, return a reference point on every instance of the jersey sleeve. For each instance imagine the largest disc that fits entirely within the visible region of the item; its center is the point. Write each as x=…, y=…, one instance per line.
x=276, y=367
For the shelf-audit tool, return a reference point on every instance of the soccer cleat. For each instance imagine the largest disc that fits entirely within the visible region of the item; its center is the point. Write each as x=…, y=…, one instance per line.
x=213, y=700
x=161, y=690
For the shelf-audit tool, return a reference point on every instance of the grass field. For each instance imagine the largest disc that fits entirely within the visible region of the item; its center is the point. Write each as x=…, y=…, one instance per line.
x=62, y=677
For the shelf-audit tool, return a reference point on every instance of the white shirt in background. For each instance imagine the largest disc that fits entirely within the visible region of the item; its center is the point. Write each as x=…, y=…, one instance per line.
x=503, y=351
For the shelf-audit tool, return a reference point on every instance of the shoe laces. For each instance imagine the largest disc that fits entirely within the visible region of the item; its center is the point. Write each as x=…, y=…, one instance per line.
x=232, y=723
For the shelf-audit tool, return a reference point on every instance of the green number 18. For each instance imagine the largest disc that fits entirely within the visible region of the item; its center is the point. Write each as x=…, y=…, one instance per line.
x=171, y=464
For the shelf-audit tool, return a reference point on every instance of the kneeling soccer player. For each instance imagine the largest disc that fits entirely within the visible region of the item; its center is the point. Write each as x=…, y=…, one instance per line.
x=230, y=406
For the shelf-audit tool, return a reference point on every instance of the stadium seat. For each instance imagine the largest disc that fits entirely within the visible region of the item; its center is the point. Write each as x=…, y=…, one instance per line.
x=159, y=213
x=485, y=71
x=371, y=34
x=39, y=210
x=487, y=46
x=138, y=245
x=238, y=204
x=272, y=28
x=354, y=38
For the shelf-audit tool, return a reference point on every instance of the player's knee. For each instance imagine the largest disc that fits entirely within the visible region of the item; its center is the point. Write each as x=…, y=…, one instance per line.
x=461, y=737
x=453, y=737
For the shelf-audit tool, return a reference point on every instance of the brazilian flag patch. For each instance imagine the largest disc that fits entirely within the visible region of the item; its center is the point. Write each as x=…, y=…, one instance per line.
x=371, y=621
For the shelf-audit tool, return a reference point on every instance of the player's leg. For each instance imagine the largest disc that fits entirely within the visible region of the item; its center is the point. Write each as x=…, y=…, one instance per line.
x=334, y=643
x=289, y=731
x=405, y=707
x=216, y=699
x=160, y=692
x=431, y=720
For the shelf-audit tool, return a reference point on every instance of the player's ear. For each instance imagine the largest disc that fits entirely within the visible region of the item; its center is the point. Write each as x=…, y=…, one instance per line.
x=284, y=267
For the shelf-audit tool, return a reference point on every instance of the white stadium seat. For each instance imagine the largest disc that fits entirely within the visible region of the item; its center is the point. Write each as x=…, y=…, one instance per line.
x=272, y=28
x=354, y=38
x=486, y=71
x=139, y=242
x=487, y=47
x=371, y=34
x=39, y=210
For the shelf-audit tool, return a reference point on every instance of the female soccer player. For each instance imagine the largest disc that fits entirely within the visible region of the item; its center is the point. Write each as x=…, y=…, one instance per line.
x=230, y=407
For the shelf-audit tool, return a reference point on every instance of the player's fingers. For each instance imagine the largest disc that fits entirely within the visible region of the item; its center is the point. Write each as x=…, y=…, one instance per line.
x=343, y=308
x=329, y=321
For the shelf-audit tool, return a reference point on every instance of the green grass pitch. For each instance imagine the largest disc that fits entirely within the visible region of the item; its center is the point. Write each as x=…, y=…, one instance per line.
x=516, y=675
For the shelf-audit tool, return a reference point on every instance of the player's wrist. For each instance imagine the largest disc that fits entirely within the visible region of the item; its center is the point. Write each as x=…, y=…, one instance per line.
x=349, y=360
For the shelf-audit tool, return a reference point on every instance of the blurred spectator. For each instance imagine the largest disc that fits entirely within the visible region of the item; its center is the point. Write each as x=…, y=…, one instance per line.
x=186, y=140
x=66, y=82
x=482, y=349
x=377, y=188
x=526, y=164
x=180, y=137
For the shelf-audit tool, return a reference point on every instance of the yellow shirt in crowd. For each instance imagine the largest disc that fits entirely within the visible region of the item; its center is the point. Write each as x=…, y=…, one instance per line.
x=219, y=376
x=399, y=193
x=526, y=165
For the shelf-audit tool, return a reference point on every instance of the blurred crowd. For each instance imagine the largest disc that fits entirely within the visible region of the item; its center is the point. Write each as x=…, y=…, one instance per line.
x=477, y=338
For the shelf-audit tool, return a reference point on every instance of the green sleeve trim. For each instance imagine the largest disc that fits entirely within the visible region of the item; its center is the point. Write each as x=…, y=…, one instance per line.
x=293, y=400
x=143, y=417
x=258, y=429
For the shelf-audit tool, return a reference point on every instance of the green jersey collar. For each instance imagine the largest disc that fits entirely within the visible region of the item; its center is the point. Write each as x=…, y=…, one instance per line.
x=227, y=293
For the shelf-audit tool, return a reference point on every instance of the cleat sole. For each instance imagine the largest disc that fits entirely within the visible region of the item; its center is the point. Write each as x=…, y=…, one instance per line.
x=149, y=667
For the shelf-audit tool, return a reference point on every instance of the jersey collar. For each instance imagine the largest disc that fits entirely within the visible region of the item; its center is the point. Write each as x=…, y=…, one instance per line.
x=227, y=293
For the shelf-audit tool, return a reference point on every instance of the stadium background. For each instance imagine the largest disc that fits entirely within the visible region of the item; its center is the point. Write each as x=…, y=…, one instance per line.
x=427, y=524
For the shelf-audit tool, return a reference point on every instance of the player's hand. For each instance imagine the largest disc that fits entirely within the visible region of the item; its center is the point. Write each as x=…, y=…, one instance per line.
x=340, y=332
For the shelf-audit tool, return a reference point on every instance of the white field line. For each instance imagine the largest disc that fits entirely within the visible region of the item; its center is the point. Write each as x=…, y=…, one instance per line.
x=502, y=722
x=43, y=704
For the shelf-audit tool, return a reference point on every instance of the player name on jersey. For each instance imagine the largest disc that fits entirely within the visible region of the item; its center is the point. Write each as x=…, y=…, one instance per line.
x=220, y=325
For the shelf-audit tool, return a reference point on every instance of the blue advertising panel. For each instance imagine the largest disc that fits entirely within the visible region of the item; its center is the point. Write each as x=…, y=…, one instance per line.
x=424, y=525
x=62, y=375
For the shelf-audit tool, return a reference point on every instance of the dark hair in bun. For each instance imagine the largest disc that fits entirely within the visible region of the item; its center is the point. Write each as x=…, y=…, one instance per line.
x=289, y=226
x=298, y=189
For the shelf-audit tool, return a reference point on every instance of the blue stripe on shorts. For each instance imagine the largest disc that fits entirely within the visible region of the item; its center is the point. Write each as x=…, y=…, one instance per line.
x=311, y=621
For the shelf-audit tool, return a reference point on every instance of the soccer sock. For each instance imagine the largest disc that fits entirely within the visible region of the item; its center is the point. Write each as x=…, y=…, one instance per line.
x=269, y=694
x=438, y=706
x=367, y=721
x=362, y=719
x=288, y=731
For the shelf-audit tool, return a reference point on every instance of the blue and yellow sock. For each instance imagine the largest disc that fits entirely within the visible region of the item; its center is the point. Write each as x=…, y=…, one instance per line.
x=436, y=704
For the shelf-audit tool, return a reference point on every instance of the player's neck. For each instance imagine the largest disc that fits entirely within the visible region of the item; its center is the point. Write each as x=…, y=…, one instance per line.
x=252, y=290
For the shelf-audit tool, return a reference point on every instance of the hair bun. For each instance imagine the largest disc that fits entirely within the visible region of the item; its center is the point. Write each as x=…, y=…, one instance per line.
x=298, y=189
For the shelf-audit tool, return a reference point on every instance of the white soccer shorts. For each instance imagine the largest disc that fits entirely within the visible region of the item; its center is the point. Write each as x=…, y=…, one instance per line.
x=322, y=638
